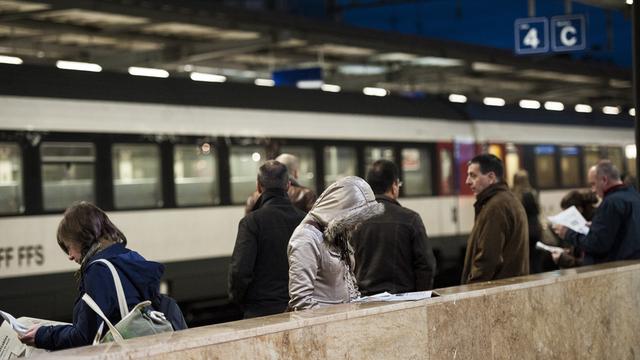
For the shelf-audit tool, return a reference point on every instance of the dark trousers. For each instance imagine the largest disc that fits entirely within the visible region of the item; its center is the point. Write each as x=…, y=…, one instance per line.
x=256, y=310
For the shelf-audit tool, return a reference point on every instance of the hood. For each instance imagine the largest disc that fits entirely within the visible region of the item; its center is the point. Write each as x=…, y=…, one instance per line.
x=145, y=275
x=345, y=204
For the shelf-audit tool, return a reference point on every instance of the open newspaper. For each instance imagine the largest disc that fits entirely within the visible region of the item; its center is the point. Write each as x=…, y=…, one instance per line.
x=10, y=345
x=385, y=296
x=572, y=219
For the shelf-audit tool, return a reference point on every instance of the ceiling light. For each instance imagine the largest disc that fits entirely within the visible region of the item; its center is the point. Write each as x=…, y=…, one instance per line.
x=264, y=82
x=309, y=84
x=436, y=61
x=374, y=91
x=629, y=2
x=151, y=72
x=4, y=59
x=394, y=57
x=611, y=110
x=198, y=76
x=529, y=104
x=361, y=69
x=630, y=151
x=632, y=111
x=79, y=66
x=488, y=67
x=330, y=88
x=583, y=108
x=553, y=105
x=493, y=101
x=457, y=98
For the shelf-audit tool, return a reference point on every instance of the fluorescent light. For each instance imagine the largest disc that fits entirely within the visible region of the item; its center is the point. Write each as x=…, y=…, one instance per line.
x=630, y=151
x=436, y=61
x=374, y=91
x=493, y=101
x=4, y=59
x=529, y=104
x=362, y=69
x=198, y=76
x=151, y=72
x=457, y=98
x=79, y=66
x=611, y=110
x=330, y=88
x=553, y=105
x=264, y=82
x=309, y=84
x=583, y=108
x=632, y=111
x=629, y=2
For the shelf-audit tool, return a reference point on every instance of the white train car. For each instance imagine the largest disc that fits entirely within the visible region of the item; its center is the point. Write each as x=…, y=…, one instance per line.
x=172, y=162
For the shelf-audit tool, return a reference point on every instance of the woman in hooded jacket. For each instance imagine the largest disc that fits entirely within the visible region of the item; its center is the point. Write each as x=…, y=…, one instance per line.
x=321, y=260
x=86, y=234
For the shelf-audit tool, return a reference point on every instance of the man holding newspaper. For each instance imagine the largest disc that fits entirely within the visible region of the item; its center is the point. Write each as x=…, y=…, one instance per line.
x=614, y=233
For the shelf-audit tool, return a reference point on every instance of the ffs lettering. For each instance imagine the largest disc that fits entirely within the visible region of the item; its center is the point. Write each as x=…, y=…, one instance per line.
x=28, y=255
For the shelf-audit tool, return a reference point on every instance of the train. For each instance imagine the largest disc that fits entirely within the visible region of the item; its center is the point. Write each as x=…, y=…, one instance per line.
x=173, y=161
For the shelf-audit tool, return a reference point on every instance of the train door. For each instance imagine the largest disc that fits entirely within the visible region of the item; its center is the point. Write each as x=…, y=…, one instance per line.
x=464, y=151
x=630, y=156
x=445, y=180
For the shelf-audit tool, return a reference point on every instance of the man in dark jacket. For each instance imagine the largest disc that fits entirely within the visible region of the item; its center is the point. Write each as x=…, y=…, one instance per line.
x=392, y=251
x=498, y=246
x=615, y=229
x=259, y=270
x=301, y=197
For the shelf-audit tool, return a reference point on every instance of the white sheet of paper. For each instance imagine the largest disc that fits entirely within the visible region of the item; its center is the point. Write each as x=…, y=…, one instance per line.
x=15, y=325
x=549, y=248
x=572, y=219
x=385, y=296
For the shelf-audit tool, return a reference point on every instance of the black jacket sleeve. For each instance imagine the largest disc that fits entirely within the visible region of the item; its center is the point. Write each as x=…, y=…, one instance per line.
x=243, y=259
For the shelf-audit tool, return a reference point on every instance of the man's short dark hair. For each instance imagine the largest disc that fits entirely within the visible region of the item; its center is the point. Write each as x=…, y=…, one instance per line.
x=489, y=163
x=273, y=175
x=381, y=176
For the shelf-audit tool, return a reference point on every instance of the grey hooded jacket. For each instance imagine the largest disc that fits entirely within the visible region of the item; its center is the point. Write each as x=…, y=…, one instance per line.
x=317, y=275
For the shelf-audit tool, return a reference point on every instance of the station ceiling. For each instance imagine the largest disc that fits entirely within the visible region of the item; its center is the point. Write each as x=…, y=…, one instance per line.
x=186, y=36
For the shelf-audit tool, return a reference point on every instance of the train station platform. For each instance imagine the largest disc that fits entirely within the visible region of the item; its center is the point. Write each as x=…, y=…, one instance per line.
x=590, y=312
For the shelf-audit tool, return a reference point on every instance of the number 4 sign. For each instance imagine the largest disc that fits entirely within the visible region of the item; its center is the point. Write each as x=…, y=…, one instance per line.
x=532, y=35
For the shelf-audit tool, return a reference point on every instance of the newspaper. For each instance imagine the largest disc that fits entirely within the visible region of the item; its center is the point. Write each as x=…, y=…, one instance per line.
x=572, y=219
x=10, y=345
x=385, y=296
x=548, y=248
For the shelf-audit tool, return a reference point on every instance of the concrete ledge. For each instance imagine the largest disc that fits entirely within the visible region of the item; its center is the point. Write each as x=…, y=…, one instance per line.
x=589, y=312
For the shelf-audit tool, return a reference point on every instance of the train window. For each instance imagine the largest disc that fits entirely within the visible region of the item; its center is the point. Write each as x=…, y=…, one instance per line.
x=416, y=167
x=136, y=174
x=569, y=165
x=615, y=155
x=339, y=161
x=371, y=154
x=68, y=173
x=195, y=176
x=630, y=154
x=11, y=201
x=307, y=168
x=244, y=162
x=545, y=166
x=591, y=157
x=446, y=171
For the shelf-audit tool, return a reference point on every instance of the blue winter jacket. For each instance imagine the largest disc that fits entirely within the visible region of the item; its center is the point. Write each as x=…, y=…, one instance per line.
x=140, y=279
x=615, y=228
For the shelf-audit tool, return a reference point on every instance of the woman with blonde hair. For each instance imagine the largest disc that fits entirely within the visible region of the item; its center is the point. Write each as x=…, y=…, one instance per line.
x=529, y=198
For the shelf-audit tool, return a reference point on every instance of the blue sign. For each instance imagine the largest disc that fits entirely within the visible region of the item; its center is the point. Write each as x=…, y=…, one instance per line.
x=568, y=33
x=532, y=35
x=291, y=77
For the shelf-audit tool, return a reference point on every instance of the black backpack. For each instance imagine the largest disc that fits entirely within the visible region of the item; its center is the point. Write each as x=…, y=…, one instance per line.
x=169, y=307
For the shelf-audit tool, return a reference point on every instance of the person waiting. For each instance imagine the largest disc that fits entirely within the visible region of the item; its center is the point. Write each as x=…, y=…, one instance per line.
x=392, y=251
x=259, y=270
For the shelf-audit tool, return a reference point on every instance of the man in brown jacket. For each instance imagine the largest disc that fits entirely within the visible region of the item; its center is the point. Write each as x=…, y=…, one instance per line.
x=498, y=246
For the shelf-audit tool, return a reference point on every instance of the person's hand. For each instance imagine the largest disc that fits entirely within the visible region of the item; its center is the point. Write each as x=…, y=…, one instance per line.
x=560, y=230
x=30, y=337
x=556, y=254
x=588, y=224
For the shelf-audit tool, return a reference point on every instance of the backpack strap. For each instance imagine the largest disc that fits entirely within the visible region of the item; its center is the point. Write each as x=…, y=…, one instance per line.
x=122, y=301
x=114, y=332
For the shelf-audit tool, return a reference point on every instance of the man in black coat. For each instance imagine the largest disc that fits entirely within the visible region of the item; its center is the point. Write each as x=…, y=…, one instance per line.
x=259, y=269
x=392, y=250
x=614, y=233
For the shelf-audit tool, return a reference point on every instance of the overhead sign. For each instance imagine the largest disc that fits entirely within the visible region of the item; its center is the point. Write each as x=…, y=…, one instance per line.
x=532, y=35
x=537, y=35
x=568, y=33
